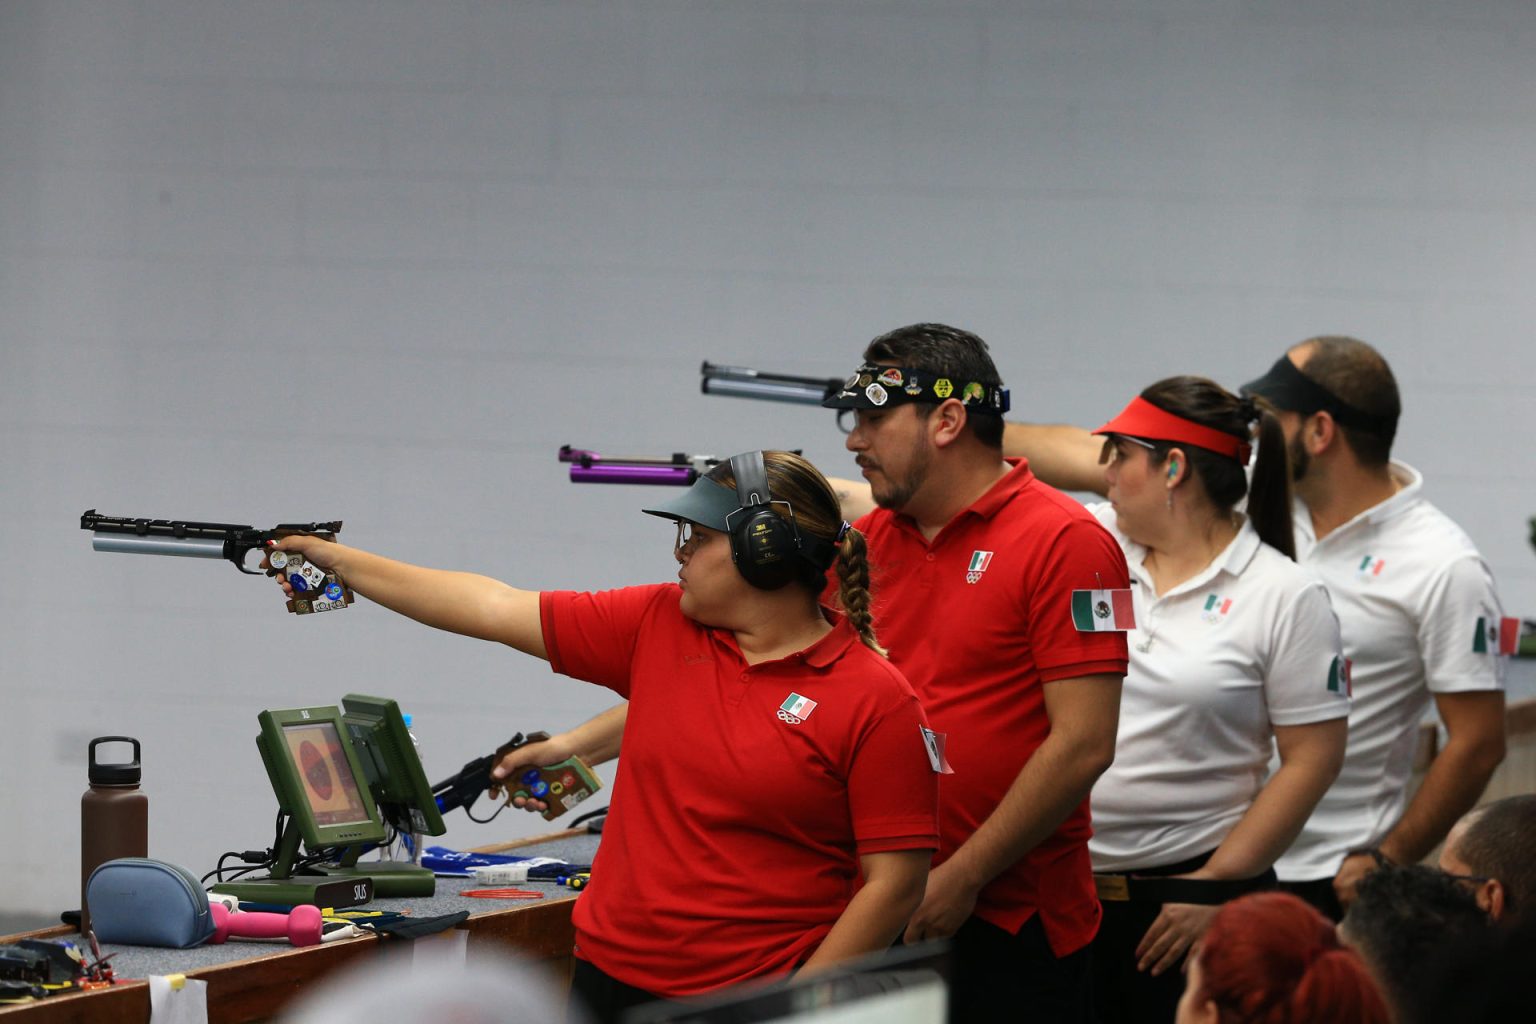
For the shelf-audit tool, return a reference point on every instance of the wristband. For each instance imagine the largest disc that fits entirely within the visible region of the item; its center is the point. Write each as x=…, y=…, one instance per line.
x=1373, y=852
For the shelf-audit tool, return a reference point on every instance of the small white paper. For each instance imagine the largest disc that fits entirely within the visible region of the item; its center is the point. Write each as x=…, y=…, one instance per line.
x=170, y=1003
x=444, y=951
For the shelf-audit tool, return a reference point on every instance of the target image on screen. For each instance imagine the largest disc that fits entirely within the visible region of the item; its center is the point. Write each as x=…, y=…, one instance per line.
x=318, y=778
x=329, y=786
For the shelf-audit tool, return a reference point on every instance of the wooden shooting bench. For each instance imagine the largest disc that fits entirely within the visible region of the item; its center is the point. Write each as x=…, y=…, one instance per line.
x=255, y=981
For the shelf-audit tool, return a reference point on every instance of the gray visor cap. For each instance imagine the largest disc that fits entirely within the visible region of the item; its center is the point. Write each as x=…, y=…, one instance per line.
x=706, y=503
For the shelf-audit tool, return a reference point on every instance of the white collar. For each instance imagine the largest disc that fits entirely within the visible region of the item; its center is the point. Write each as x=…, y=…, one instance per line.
x=1232, y=560
x=1410, y=487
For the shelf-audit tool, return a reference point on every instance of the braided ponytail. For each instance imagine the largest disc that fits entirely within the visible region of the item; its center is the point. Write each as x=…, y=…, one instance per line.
x=853, y=587
x=798, y=486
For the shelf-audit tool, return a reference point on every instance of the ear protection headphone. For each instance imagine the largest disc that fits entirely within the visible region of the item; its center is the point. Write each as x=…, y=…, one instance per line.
x=768, y=549
x=763, y=543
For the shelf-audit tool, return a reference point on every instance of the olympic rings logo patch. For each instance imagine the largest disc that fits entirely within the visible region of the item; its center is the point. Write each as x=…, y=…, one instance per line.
x=785, y=716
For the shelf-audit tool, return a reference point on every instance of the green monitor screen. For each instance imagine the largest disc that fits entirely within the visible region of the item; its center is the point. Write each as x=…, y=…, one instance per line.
x=391, y=765
x=316, y=775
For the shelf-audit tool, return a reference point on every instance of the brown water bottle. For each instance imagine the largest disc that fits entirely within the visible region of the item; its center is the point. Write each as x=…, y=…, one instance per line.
x=114, y=816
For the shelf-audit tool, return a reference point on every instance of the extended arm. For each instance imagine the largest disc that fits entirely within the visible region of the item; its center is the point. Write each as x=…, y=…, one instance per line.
x=459, y=602
x=892, y=890
x=1063, y=456
x=1474, y=725
x=1084, y=713
x=1310, y=758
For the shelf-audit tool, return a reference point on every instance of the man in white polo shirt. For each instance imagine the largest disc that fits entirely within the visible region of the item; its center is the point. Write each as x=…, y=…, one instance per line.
x=1418, y=612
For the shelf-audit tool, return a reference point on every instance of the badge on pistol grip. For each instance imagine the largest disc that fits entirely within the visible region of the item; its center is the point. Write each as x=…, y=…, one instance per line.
x=314, y=589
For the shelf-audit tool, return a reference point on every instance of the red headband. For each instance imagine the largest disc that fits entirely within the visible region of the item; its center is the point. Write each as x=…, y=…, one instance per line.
x=1143, y=419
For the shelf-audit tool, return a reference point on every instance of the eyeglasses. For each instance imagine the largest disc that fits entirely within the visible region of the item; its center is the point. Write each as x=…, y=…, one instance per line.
x=685, y=536
x=1474, y=880
x=1110, y=453
x=846, y=420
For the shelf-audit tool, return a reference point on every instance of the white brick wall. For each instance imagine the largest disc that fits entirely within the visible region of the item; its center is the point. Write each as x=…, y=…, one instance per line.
x=377, y=259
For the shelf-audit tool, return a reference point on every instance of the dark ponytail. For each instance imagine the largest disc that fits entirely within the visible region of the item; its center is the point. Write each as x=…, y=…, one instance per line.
x=1269, y=492
x=1203, y=401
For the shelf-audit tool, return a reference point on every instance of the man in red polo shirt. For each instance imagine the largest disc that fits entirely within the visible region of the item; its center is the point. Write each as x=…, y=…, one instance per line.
x=975, y=565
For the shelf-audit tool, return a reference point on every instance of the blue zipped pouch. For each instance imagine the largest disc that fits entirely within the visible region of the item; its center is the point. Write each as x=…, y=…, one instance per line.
x=143, y=902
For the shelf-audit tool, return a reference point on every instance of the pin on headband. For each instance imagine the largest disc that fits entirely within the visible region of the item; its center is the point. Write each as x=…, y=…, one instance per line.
x=872, y=387
x=1142, y=419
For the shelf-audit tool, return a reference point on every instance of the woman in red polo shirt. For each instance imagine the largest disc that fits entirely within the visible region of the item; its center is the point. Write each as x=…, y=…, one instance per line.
x=775, y=806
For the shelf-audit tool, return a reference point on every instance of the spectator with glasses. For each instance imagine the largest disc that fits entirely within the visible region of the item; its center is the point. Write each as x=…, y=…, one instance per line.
x=1409, y=924
x=1493, y=849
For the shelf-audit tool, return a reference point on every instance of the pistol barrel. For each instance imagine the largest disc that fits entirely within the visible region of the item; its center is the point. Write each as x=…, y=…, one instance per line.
x=680, y=476
x=772, y=390
x=744, y=382
x=154, y=544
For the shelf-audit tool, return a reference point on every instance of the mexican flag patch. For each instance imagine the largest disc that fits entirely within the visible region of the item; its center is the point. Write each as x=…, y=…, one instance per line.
x=1216, y=608
x=1497, y=636
x=1103, y=611
x=797, y=706
x=1340, y=677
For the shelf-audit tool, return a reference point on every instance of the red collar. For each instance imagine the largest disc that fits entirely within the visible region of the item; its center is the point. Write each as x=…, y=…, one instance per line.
x=820, y=654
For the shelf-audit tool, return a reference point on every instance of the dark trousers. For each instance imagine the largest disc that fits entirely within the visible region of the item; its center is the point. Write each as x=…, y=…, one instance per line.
x=603, y=998
x=995, y=976
x=1320, y=894
x=1122, y=994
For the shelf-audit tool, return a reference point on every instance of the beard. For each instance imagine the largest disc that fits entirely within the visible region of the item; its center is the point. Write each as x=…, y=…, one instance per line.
x=893, y=493
x=1299, y=459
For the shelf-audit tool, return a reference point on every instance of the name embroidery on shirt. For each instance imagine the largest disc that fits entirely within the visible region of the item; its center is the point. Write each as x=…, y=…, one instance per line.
x=979, y=562
x=796, y=709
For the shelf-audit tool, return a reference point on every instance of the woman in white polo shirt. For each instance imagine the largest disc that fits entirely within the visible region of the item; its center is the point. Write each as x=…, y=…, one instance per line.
x=1234, y=652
